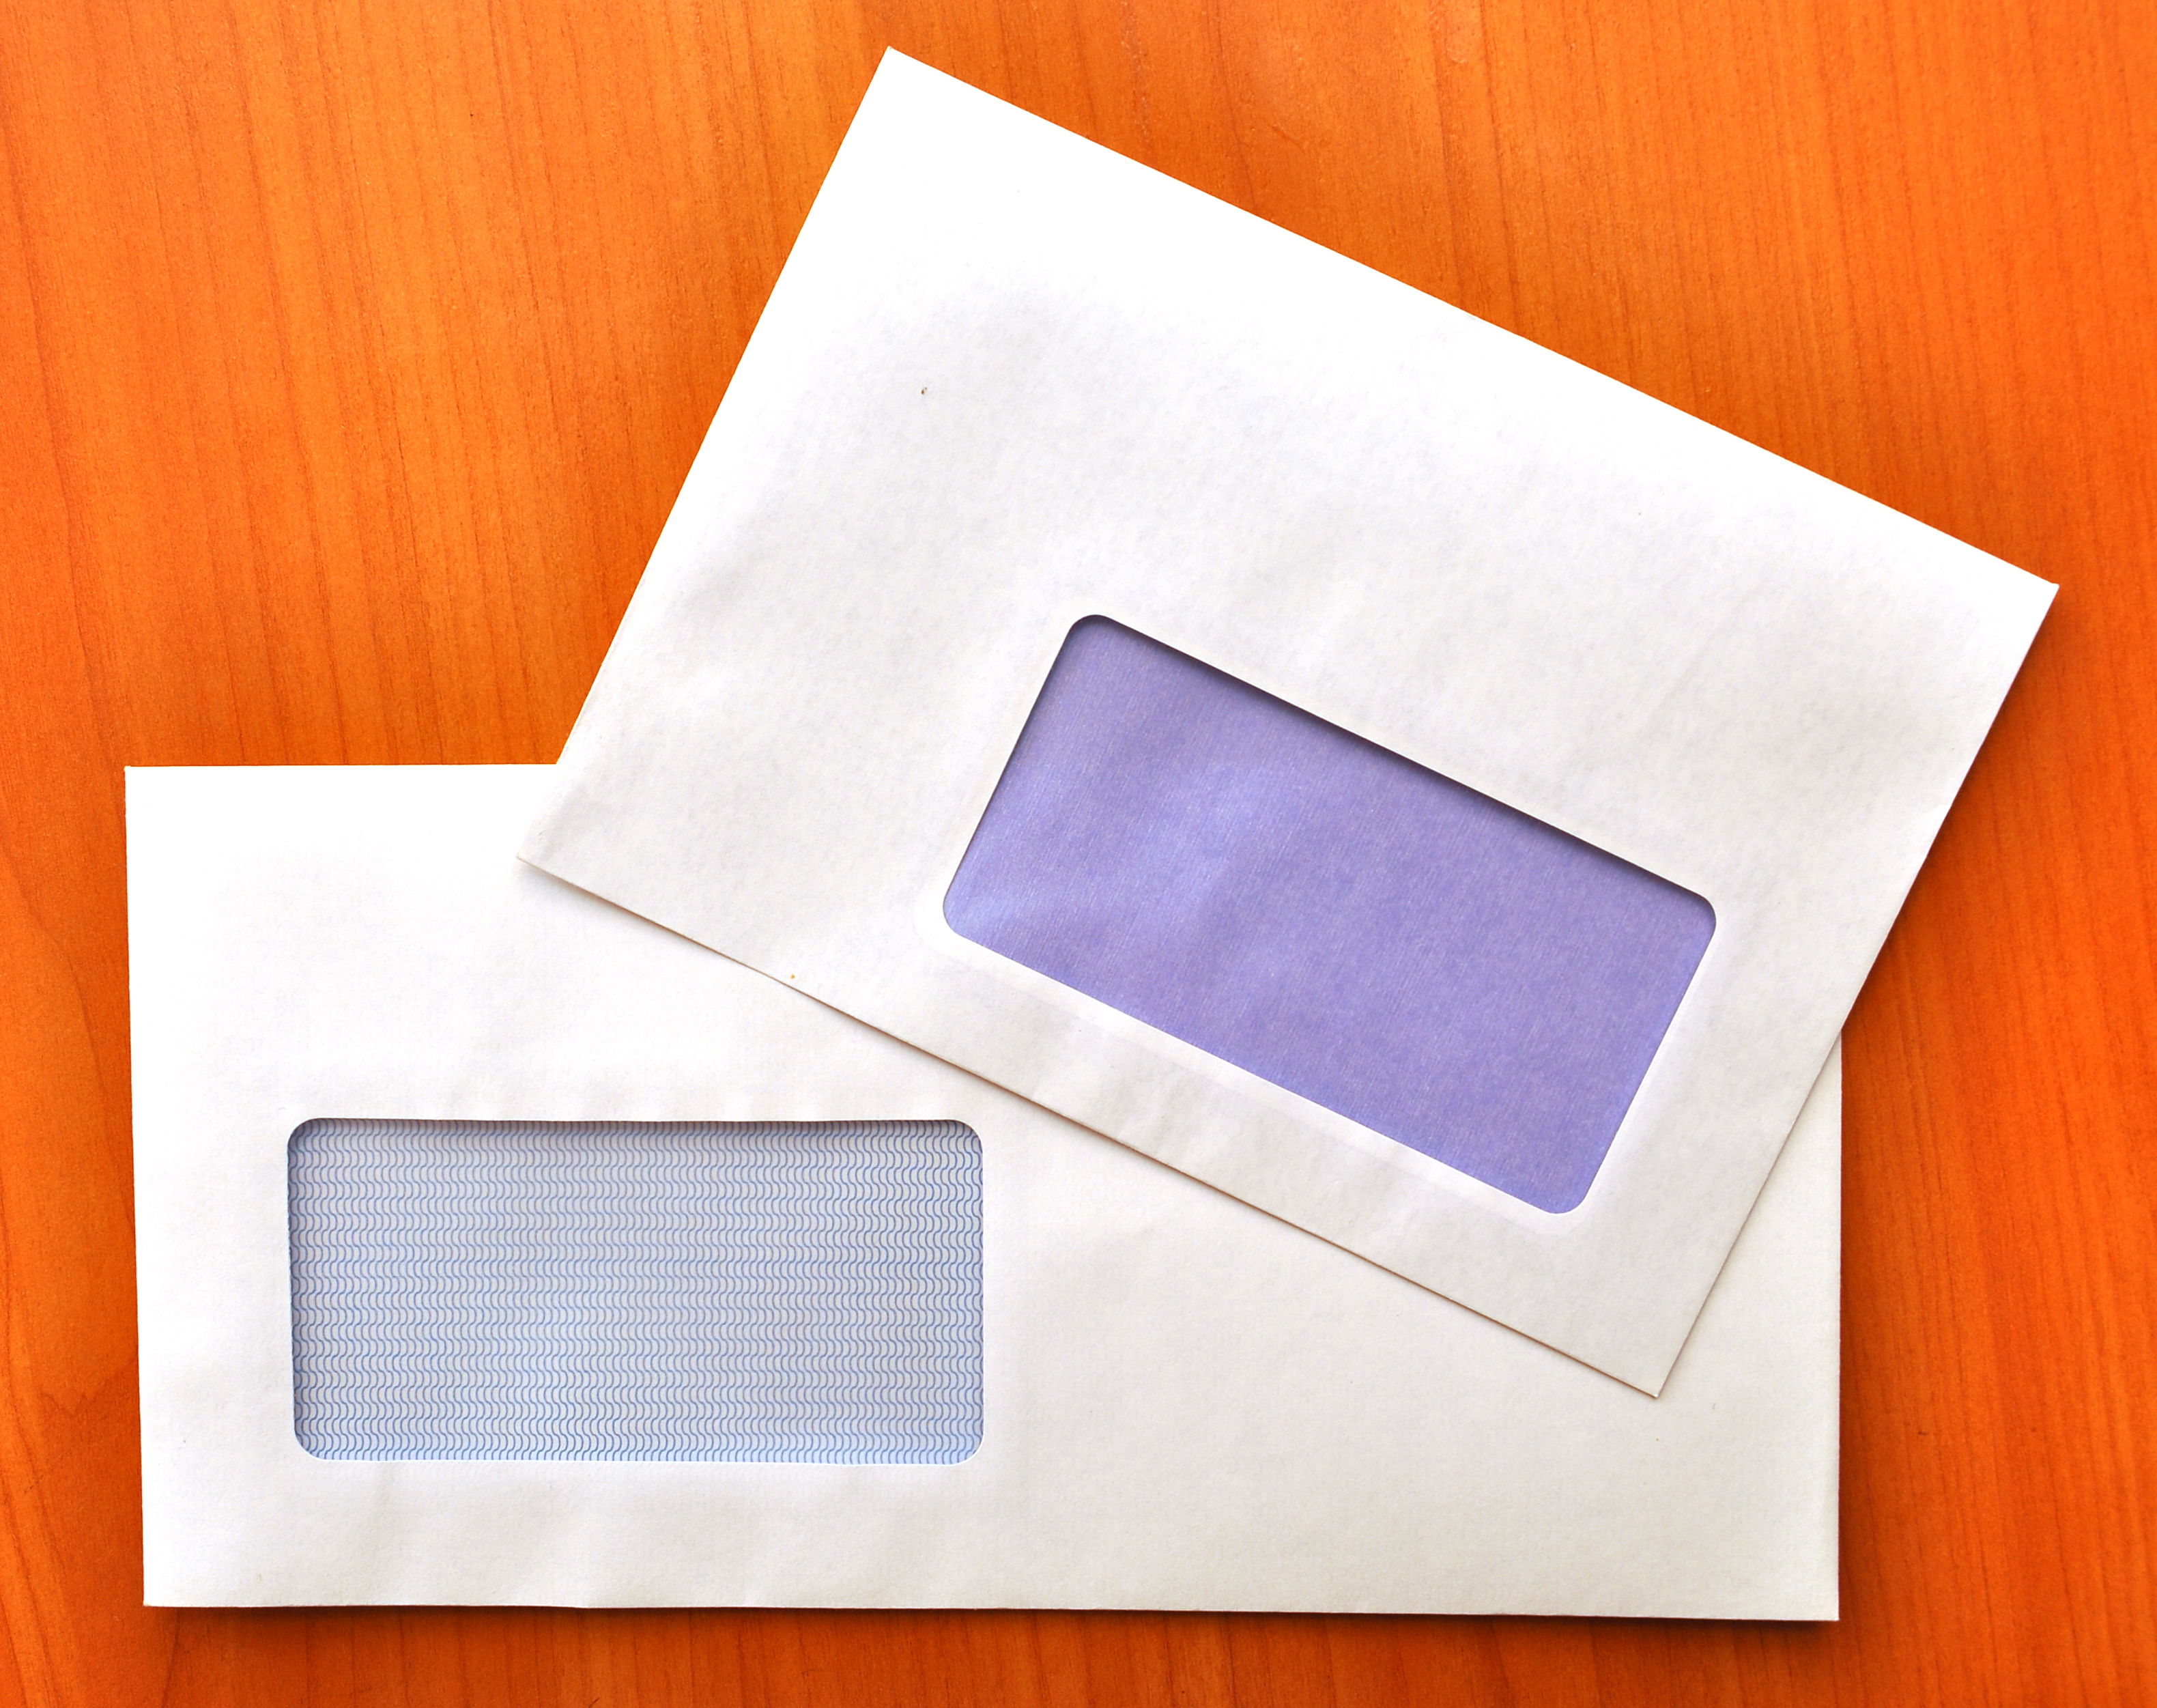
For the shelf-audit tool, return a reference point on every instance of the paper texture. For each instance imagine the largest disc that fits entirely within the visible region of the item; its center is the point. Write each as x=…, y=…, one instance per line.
x=1186, y=1403
x=1009, y=382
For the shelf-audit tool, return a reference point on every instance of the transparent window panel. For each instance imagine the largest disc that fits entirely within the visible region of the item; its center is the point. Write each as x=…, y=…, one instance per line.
x=1386, y=942
x=805, y=1292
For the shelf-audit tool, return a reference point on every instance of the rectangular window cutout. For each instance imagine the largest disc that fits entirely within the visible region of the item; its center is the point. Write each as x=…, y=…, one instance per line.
x=1324, y=913
x=784, y=1291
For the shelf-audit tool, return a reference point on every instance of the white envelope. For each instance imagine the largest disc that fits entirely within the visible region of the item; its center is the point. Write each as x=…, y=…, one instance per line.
x=1185, y=1402
x=1011, y=384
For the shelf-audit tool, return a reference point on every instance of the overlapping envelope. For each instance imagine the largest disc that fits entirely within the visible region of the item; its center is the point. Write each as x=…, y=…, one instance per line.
x=390, y=1368
x=1082, y=579
x=1221, y=709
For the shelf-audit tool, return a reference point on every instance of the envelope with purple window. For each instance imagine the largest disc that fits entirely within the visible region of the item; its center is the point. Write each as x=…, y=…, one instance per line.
x=1407, y=781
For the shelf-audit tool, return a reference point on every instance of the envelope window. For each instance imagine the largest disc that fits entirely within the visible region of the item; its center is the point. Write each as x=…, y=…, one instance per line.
x=781, y=1292
x=1449, y=972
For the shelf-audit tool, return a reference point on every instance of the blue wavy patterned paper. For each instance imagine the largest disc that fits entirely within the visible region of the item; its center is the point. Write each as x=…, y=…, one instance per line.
x=805, y=1292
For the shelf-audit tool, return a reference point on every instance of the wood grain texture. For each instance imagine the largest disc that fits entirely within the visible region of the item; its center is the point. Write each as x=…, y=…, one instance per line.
x=351, y=351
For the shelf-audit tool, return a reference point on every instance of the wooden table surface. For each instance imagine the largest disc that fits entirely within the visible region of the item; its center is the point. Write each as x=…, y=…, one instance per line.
x=353, y=352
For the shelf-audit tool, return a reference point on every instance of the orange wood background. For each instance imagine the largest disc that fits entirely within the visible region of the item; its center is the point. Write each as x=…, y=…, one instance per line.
x=351, y=351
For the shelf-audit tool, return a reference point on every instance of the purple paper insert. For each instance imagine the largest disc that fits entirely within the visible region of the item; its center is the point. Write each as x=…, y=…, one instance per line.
x=1389, y=944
